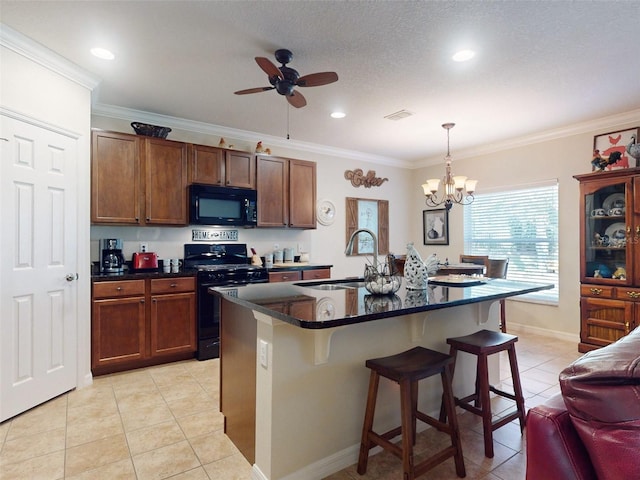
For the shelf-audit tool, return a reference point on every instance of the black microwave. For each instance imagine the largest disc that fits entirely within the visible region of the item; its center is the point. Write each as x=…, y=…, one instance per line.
x=221, y=206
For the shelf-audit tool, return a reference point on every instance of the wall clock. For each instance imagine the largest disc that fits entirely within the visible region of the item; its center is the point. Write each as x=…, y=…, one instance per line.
x=326, y=212
x=325, y=309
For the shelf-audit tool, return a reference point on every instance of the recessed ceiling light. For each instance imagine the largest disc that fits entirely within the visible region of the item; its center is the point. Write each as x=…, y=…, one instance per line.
x=338, y=115
x=463, y=55
x=102, y=53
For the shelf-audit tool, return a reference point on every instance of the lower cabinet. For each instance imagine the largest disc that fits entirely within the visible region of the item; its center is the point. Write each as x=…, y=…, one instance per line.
x=607, y=314
x=136, y=323
x=292, y=275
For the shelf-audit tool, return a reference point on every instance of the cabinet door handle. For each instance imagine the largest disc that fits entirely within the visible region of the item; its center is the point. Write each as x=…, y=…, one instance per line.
x=118, y=289
x=638, y=231
x=626, y=327
x=596, y=291
x=154, y=300
x=633, y=294
x=142, y=301
x=173, y=285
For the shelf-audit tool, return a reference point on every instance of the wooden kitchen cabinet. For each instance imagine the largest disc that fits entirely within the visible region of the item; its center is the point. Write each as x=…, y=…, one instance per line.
x=115, y=178
x=316, y=274
x=218, y=166
x=286, y=276
x=136, y=323
x=286, y=192
x=118, y=331
x=173, y=326
x=609, y=256
x=138, y=180
x=165, y=166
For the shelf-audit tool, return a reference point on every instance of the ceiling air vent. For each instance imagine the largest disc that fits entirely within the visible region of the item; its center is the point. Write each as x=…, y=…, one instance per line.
x=399, y=115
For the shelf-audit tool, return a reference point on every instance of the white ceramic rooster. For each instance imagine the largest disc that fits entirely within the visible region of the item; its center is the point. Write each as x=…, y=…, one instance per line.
x=416, y=271
x=633, y=149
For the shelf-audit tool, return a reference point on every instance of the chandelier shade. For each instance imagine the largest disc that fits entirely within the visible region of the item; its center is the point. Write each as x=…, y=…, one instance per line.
x=455, y=188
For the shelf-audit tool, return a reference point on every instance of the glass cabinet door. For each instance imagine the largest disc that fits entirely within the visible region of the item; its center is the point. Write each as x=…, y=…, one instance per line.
x=607, y=229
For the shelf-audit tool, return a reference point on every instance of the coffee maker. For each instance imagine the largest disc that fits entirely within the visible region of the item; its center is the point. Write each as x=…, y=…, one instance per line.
x=111, y=258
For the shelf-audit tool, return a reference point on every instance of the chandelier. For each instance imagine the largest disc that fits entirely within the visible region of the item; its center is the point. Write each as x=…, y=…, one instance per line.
x=456, y=189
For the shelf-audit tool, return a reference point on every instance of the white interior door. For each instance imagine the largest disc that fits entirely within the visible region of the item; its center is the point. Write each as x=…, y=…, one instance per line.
x=38, y=246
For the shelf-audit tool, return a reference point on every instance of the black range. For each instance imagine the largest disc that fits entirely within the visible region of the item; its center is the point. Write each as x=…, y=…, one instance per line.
x=217, y=265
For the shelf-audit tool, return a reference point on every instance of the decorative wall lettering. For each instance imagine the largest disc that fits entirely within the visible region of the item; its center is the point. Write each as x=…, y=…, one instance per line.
x=358, y=178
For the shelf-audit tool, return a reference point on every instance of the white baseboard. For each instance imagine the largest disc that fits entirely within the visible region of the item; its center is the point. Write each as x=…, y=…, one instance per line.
x=520, y=328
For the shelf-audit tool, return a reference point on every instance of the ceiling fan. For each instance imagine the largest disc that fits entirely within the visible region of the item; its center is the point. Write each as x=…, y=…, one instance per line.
x=284, y=79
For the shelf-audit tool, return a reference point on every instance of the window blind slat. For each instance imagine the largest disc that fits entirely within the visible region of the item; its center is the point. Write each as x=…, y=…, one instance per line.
x=521, y=225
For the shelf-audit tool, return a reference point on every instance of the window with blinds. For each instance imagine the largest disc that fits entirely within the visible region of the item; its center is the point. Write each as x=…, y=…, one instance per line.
x=521, y=225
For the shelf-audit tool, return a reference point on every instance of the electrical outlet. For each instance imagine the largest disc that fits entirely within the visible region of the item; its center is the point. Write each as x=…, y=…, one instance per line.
x=144, y=247
x=264, y=353
x=300, y=247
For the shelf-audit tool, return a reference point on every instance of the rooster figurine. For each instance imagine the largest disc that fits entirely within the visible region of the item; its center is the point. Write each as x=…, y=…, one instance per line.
x=222, y=143
x=259, y=148
x=633, y=149
x=600, y=163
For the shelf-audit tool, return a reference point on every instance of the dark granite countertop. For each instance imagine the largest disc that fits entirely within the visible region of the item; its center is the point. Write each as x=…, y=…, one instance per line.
x=334, y=308
x=140, y=275
x=129, y=274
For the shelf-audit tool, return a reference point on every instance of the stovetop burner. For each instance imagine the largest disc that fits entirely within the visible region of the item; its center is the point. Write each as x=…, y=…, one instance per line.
x=225, y=268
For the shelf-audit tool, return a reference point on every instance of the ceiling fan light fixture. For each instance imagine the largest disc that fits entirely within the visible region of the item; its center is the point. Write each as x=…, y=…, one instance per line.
x=102, y=53
x=463, y=55
x=338, y=115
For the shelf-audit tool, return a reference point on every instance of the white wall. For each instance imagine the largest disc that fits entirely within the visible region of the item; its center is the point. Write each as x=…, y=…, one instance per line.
x=560, y=159
x=37, y=88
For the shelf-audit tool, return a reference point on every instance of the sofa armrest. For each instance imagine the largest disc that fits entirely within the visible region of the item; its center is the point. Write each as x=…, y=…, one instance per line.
x=554, y=449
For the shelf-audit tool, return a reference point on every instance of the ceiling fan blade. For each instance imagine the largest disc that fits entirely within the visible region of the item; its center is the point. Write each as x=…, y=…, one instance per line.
x=317, y=79
x=268, y=67
x=296, y=99
x=253, y=90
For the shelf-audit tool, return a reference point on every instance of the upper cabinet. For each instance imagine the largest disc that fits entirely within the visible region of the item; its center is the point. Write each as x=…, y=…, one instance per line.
x=138, y=180
x=286, y=192
x=165, y=182
x=217, y=166
x=115, y=178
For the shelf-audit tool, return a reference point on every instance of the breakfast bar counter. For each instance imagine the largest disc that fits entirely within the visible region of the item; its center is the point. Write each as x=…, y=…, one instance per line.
x=293, y=380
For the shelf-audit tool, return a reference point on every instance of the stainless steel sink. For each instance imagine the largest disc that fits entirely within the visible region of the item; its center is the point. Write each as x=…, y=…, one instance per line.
x=327, y=286
x=335, y=285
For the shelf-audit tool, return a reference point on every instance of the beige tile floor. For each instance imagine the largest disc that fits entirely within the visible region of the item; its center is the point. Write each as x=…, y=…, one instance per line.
x=163, y=422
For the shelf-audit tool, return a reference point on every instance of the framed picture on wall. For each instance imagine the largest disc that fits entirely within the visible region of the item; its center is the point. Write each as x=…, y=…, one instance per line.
x=435, y=224
x=612, y=142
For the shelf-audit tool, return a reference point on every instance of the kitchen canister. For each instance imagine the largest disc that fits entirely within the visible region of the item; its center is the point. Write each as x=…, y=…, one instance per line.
x=277, y=256
x=268, y=260
x=289, y=254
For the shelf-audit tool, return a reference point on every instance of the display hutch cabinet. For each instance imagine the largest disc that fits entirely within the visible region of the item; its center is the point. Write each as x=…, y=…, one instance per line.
x=609, y=256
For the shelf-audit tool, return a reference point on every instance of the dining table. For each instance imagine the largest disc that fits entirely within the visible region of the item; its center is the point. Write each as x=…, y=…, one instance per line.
x=461, y=269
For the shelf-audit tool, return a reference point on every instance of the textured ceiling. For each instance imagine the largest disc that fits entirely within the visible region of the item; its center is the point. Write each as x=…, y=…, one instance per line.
x=539, y=65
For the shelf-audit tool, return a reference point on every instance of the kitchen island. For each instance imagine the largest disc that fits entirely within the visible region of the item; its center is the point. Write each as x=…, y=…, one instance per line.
x=293, y=380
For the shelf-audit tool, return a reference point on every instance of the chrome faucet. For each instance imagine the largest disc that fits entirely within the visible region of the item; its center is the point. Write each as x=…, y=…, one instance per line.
x=349, y=249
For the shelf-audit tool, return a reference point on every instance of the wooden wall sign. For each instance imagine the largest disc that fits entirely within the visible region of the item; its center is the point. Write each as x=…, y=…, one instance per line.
x=358, y=178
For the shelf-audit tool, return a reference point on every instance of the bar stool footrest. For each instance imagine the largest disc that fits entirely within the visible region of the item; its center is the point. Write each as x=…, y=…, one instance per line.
x=502, y=393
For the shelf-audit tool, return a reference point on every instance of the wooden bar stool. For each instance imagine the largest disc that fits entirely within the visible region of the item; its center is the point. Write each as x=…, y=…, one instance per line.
x=482, y=344
x=407, y=369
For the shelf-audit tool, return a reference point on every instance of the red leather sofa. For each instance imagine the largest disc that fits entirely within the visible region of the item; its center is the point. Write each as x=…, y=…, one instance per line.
x=592, y=430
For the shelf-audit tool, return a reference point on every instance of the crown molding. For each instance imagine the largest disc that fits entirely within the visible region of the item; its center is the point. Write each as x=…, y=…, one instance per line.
x=128, y=114
x=610, y=123
x=38, y=53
